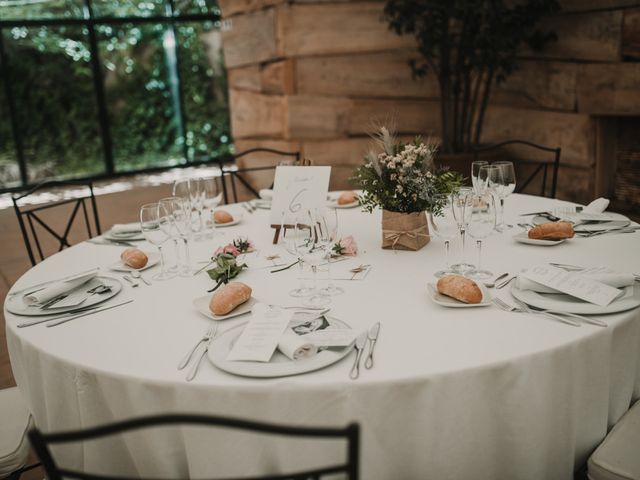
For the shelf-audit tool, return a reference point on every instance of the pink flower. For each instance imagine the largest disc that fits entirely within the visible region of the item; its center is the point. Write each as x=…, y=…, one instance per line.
x=346, y=246
x=230, y=248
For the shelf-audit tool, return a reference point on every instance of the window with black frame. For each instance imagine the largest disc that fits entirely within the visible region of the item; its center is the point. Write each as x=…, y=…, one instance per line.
x=96, y=88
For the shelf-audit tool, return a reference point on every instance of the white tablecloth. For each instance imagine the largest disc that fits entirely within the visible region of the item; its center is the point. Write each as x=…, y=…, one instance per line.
x=454, y=394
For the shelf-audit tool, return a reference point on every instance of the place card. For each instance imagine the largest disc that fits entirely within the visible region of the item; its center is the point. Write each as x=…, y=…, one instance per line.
x=573, y=284
x=261, y=335
x=331, y=337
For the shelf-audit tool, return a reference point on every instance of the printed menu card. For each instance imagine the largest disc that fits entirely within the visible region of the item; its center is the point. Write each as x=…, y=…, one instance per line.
x=261, y=335
x=573, y=284
x=297, y=190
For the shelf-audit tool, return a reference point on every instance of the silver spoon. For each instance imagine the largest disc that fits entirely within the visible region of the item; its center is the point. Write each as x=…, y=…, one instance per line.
x=128, y=279
x=138, y=276
x=495, y=280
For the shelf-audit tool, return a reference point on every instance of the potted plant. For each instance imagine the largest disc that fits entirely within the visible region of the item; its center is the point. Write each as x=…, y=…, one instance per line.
x=469, y=45
x=403, y=181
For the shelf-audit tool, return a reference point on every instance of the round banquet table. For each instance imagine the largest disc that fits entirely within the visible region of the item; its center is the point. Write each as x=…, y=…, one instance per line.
x=454, y=393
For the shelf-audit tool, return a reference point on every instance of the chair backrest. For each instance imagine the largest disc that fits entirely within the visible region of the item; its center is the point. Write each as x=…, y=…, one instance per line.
x=528, y=167
x=242, y=174
x=351, y=433
x=36, y=221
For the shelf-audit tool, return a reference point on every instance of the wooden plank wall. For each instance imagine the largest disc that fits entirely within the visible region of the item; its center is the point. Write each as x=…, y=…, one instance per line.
x=315, y=75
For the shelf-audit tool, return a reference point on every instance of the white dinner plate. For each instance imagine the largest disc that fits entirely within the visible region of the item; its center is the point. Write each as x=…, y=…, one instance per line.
x=202, y=305
x=152, y=259
x=617, y=221
x=566, y=303
x=262, y=204
x=523, y=237
x=279, y=365
x=445, y=301
x=334, y=204
x=15, y=303
x=133, y=236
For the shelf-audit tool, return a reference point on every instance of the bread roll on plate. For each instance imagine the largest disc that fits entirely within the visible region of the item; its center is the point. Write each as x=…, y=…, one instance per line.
x=134, y=258
x=222, y=216
x=228, y=297
x=459, y=288
x=347, y=198
x=551, y=231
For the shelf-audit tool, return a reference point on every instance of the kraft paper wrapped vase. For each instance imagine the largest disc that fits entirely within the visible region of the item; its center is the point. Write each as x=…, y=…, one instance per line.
x=404, y=231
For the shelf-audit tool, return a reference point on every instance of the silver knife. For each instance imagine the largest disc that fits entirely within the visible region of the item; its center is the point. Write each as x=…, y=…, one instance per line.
x=194, y=370
x=373, y=336
x=359, y=346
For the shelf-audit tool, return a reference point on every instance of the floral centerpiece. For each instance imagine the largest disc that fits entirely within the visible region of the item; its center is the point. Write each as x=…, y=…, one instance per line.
x=224, y=259
x=403, y=181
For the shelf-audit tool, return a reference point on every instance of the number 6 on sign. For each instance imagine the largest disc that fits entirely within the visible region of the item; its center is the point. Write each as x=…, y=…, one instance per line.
x=297, y=189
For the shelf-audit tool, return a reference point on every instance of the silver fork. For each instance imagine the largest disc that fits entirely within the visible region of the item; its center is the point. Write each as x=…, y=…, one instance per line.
x=593, y=321
x=211, y=331
x=510, y=308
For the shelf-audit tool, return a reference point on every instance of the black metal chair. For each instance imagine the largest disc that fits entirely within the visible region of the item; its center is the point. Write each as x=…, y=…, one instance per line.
x=239, y=174
x=33, y=216
x=531, y=167
x=351, y=433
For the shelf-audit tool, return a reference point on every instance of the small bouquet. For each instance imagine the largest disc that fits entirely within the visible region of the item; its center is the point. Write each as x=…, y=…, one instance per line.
x=225, y=261
x=345, y=246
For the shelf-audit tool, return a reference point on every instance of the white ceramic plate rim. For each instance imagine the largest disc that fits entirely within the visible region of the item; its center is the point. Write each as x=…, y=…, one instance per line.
x=237, y=218
x=202, y=305
x=445, y=301
x=566, y=303
x=153, y=259
x=523, y=237
x=124, y=238
x=221, y=346
x=334, y=204
x=15, y=305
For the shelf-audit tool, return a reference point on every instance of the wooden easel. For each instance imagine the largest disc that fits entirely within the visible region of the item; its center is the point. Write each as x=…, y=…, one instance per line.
x=278, y=228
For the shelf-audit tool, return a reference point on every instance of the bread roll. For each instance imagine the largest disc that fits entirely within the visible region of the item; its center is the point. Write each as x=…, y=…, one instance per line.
x=134, y=258
x=222, y=216
x=346, y=198
x=461, y=288
x=552, y=231
x=228, y=297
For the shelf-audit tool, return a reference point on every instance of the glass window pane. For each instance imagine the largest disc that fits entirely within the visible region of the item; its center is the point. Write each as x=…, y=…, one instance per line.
x=142, y=95
x=40, y=9
x=196, y=7
x=50, y=74
x=128, y=8
x=204, y=89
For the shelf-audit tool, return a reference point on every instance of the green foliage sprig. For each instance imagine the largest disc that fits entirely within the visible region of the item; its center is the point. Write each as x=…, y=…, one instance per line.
x=226, y=267
x=402, y=178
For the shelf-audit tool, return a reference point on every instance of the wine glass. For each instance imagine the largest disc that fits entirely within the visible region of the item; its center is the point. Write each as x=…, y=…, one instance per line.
x=290, y=237
x=478, y=186
x=151, y=222
x=461, y=206
x=212, y=196
x=481, y=223
x=444, y=225
x=506, y=187
x=196, y=195
x=178, y=210
x=313, y=248
x=170, y=229
x=329, y=229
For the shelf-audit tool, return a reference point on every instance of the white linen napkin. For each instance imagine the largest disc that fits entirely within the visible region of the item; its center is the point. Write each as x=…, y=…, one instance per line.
x=600, y=274
x=295, y=346
x=599, y=205
x=124, y=228
x=266, y=194
x=57, y=288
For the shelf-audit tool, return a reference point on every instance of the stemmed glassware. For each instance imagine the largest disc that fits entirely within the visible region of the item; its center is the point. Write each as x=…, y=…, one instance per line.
x=178, y=210
x=212, y=196
x=153, y=226
x=478, y=186
x=481, y=223
x=507, y=184
x=329, y=230
x=462, y=206
x=291, y=240
x=312, y=248
x=192, y=190
x=444, y=226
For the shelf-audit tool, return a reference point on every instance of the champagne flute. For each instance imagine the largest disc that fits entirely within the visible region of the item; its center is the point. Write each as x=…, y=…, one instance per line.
x=329, y=230
x=444, y=226
x=150, y=224
x=478, y=186
x=212, y=196
x=196, y=195
x=170, y=229
x=290, y=236
x=506, y=187
x=481, y=223
x=178, y=211
x=461, y=206
x=313, y=248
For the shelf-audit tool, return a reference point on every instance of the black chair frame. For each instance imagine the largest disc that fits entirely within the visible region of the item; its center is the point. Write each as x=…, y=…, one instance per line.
x=351, y=433
x=236, y=174
x=32, y=216
x=541, y=166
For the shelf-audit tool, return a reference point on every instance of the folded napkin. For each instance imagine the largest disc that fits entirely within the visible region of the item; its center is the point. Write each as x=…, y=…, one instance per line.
x=266, y=194
x=599, y=205
x=599, y=274
x=58, y=288
x=124, y=228
x=295, y=346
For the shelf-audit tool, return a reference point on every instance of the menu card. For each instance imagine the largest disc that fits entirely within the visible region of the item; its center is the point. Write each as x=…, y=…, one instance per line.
x=573, y=284
x=297, y=190
x=261, y=335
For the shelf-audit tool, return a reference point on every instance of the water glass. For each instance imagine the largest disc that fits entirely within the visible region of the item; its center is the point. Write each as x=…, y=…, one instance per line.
x=153, y=226
x=443, y=225
x=329, y=229
x=482, y=223
x=506, y=187
x=178, y=210
x=313, y=248
x=212, y=196
x=290, y=237
x=462, y=207
x=478, y=186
